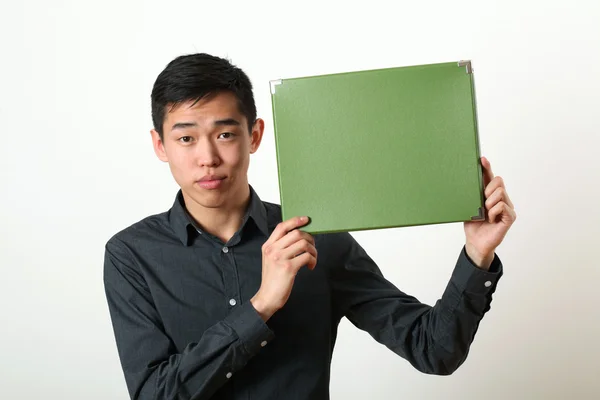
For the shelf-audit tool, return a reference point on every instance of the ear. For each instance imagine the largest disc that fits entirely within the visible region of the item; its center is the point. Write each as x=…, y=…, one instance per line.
x=159, y=146
x=256, y=135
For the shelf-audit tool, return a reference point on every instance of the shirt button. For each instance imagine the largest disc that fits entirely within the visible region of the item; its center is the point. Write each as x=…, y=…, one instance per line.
x=225, y=249
x=263, y=344
x=229, y=375
x=488, y=283
x=232, y=302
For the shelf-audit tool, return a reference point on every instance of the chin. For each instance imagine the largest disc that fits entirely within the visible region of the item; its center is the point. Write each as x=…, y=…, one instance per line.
x=208, y=198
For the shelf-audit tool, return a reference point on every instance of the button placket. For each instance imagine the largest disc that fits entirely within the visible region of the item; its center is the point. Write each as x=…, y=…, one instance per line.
x=231, y=276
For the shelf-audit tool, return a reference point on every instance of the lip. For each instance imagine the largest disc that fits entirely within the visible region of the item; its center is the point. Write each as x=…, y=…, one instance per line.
x=210, y=182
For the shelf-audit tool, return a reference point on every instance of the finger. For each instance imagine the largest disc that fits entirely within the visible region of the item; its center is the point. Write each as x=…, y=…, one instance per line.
x=284, y=227
x=501, y=210
x=292, y=237
x=497, y=196
x=495, y=212
x=299, y=248
x=308, y=259
x=488, y=174
x=493, y=185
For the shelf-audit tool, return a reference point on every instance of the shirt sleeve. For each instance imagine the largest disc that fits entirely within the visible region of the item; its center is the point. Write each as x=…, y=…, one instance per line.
x=434, y=339
x=152, y=368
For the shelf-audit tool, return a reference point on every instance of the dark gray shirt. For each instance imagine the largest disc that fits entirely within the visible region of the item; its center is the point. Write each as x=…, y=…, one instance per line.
x=185, y=329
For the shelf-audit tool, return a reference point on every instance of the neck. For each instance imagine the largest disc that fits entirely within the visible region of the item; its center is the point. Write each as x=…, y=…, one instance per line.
x=224, y=221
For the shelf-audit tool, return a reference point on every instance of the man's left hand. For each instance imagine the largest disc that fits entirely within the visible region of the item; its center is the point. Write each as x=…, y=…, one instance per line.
x=484, y=236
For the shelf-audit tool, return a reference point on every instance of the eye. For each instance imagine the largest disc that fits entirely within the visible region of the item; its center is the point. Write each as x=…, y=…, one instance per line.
x=185, y=139
x=226, y=135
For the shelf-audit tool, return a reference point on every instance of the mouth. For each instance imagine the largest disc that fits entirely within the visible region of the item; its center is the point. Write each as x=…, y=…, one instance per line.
x=210, y=182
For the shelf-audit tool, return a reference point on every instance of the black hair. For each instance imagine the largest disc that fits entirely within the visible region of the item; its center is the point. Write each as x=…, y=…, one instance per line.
x=193, y=77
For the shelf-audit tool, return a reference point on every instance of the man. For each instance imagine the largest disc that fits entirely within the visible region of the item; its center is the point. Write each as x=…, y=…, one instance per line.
x=217, y=298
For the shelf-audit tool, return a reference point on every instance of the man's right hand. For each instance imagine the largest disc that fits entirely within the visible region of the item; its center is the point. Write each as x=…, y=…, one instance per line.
x=286, y=251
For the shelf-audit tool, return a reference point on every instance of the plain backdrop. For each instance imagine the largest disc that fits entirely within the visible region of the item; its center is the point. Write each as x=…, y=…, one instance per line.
x=77, y=165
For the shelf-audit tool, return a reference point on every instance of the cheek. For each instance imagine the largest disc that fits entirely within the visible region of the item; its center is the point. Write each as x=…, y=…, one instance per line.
x=236, y=157
x=181, y=162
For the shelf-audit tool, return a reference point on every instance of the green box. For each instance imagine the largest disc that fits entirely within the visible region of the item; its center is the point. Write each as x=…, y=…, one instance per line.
x=380, y=148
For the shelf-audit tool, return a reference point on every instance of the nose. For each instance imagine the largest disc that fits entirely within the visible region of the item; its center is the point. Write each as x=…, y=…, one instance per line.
x=207, y=154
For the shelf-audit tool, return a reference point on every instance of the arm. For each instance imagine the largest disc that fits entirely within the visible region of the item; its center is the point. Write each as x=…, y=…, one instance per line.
x=435, y=340
x=153, y=370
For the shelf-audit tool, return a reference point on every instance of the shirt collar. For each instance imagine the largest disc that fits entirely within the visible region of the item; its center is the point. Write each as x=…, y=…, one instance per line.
x=184, y=226
x=257, y=211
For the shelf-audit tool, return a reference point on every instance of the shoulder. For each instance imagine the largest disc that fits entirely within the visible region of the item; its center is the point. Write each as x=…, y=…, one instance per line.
x=151, y=228
x=335, y=247
x=338, y=242
x=132, y=251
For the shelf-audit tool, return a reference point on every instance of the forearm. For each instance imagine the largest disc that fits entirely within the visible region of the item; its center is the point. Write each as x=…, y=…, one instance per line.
x=434, y=340
x=153, y=371
x=198, y=372
x=442, y=336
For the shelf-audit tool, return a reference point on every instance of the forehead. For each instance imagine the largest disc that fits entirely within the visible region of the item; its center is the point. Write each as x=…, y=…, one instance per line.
x=219, y=106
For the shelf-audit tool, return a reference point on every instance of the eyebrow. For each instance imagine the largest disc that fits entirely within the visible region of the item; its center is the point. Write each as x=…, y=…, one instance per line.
x=227, y=122
x=220, y=122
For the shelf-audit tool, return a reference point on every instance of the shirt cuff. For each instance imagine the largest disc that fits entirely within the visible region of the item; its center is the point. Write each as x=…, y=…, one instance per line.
x=470, y=278
x=250, y=328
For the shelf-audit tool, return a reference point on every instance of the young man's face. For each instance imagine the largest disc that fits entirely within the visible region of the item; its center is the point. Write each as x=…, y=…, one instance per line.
x=208, y=149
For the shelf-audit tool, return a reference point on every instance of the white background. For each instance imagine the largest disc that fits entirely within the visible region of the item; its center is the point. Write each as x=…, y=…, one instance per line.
x=77, y=165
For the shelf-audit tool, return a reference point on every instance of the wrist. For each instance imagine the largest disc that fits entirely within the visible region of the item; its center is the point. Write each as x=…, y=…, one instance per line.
x=481, y=260
x=261, y=308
